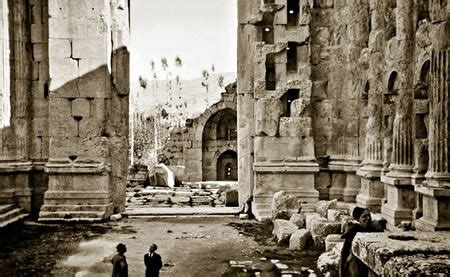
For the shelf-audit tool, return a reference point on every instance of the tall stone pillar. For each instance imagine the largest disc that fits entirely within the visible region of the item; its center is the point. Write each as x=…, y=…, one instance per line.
x=399, y=189
x=435, y=191
x=15, y=166
x=88, y=109
x=372, y=189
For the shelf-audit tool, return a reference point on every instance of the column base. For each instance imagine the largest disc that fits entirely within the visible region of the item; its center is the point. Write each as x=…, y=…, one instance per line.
x=371, y=194
x=400, y=198
x=15, y=184
x=296, y=179
x=436, y=204
x=77, y=192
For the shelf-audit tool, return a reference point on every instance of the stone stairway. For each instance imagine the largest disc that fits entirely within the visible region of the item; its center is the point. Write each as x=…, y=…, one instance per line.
x=9, y=213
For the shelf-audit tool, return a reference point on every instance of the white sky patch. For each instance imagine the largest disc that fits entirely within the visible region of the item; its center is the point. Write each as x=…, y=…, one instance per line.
x=200, y=32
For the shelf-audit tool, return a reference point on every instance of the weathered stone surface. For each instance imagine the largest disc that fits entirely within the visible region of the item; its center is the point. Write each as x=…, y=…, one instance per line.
x=299, y=240
x=337, y=214
x=283, y=205
x=386, y=253
x=323, y=206
x=298, y=219
x=283, y=229
x=332, y=240
x=321, y=229
x=328, y=262
x=268, y=112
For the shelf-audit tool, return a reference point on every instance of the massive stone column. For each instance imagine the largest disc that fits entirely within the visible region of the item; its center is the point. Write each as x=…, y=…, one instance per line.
x=372, y=190
x=400, y=191
x=15, y=166
x=436, y=189
x=88, y=109
x=346, y=157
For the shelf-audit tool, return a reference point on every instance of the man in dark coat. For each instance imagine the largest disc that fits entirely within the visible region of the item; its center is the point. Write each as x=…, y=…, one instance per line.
x=351, y=266
x=120, y=266
x=153, y=262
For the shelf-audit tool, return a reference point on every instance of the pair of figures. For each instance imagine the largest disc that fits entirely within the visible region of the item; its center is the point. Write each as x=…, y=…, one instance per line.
x=152, y=260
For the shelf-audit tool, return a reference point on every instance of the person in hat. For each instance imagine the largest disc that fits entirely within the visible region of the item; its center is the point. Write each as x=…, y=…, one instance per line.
x=120, y=266
x=349, y=265
x=153, y=262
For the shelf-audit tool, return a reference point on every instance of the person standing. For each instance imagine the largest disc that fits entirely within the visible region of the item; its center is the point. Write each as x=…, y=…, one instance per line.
x=120, y=266
x=153, y=262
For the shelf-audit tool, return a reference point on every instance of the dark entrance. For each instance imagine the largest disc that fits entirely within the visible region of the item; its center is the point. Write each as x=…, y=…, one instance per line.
x=227, y=166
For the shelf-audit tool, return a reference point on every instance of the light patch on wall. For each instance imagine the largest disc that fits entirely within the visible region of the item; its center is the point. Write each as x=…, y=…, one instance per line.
x=5, y=69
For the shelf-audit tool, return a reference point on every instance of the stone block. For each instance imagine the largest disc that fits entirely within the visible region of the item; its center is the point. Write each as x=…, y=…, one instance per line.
x=300, y=240
x=283, y=229
x=295, y=127
x=267, y=116
x=231, y=198
x=321, y=229
x=81, y=107
x=284, y=205
x=323, y=206
x=298, y=219
x=309, y=217
x=279, y=148
x=40, y=52
x=336, y=214
x=90, y=48
x=39, y=33
x=59, y=48
x=332, y=240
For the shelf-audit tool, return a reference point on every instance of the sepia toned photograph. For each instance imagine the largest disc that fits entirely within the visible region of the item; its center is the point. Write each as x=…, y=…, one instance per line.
x=229, y=138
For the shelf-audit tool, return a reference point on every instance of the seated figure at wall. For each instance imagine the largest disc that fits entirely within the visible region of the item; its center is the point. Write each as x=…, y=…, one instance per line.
x=350, y=265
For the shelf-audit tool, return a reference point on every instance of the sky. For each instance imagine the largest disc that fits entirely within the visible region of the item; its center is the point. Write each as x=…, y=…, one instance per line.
x=200, y=32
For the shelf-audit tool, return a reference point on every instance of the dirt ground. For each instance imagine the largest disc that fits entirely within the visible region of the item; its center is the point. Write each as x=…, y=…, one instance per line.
x=188, y=246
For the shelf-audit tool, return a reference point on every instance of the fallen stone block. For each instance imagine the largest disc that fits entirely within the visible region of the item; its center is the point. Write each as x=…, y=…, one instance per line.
x=283, y=229
x=283, y=205
x=115, y=217
x=180, y=199
x=323, y=206
x=332, y=240
x=321, y=229
x=243, y=216
x=300, y=240
x=309, y=217
x=298, y=219
x=328, y=262
x=336, y=214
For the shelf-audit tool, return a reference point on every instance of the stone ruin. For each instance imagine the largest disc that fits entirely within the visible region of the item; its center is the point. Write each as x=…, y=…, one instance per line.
x=64, y=112
x=346, y=100
x=206, y=147
x=336, y=99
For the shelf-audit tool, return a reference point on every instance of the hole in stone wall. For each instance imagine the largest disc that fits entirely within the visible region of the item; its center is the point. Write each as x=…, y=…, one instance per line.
x=291, y=50
x=270, y=72
x=365, y=93
x=287, y=100
x=421, y=128
x=269, y=1
x=423, y=85
x=46, y=90
x=392, y=88
x=423, y=12
x=268, y=35
x=293, y=9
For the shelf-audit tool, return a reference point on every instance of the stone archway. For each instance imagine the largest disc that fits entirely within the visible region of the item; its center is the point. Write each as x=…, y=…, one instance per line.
x=227, y=166
x=219, y=135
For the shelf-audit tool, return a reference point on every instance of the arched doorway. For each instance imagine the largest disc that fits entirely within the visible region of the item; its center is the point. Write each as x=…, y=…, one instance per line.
x=219, y=135
x=227, y=166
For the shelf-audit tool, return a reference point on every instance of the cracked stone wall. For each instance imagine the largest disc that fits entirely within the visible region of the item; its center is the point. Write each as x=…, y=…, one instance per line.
x=68, y=88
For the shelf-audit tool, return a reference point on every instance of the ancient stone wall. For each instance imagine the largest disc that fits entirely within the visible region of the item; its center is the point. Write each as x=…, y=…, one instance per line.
x=373, y=98
x=199, y=144
x=68, y=93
